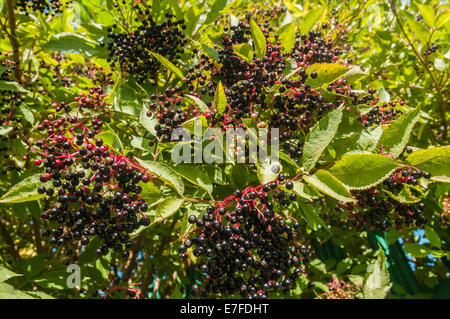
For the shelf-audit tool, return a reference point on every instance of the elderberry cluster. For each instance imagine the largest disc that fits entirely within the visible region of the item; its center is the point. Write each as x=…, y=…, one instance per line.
x=133, y=50
x=380, y=208
x=383, y=114
x=68, y=74
x=94, y=192
x=244, y=246
x=271, y=91
x=48, y=7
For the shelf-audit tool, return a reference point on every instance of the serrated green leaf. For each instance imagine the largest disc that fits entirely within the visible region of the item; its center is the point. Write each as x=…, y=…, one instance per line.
x=329, y=185
x=259, y=39
x=164, y=172
x=319, y=137
x=396, y=135
x=360, y=171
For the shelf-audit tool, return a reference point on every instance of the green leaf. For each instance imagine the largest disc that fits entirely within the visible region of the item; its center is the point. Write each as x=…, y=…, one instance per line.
x=377, y=281
x=201, y=105
x=427, y=14
x=267, y=171
x=383, y=95
x=304, y=191
x=164, y=172
x=361, y=171
x=396, y=135
x=5, y=129
x=419, y=30
x=148, y=122
x=442, y=18
x=169, y=65
x=287, y=37
x=353, y=74
x=167, y=208
x=368, y=140
x=440, y=64
x=211, y=52
x=6, y=274
x=311, y=19
x=319, y=137
x=311, y=217
x=404, y=196
x=220, y=99
x=435, y=160
x=432, y=236
x=194, y=122
x=244, y=51
x=24, y=191
x=259, y=39
x=9, y=292
x=417, y=250
x=195, y=175
x=329, y=185
x=191, y=17
x=109, y=139
x=68, y=41
x=11, y=86
x=326, y=73
x=39, y=294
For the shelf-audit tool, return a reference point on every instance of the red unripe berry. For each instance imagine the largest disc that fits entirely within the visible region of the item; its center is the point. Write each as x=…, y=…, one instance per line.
x=37, y=162
x=58, y=163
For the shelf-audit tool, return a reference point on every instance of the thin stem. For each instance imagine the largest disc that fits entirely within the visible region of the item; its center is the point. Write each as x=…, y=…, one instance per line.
x=13, y=40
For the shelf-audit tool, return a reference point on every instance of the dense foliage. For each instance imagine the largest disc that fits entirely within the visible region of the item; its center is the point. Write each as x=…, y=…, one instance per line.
x=93, y=96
